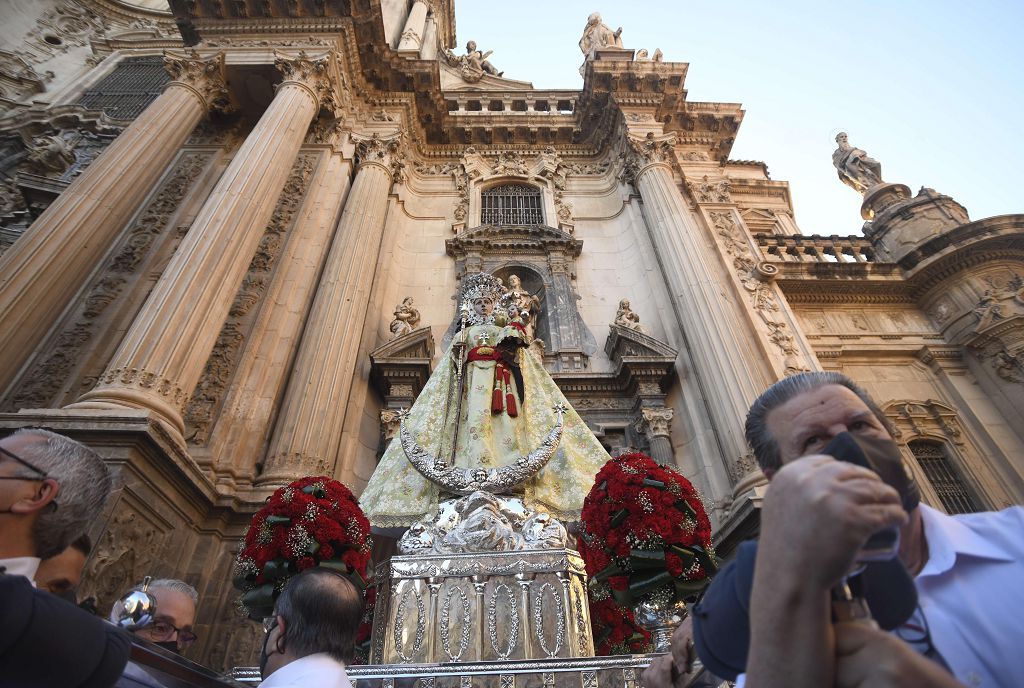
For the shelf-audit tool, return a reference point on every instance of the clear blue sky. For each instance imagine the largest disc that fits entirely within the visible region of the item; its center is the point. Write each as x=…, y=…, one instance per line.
x=932, y=90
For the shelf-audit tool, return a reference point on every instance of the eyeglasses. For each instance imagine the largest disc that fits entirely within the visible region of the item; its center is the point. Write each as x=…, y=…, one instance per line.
x=162, y=630
x=915, y=632
x=43, y=475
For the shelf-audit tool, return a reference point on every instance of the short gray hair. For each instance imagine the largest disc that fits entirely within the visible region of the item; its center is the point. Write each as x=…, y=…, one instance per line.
x=84, y=482
x=322, y=610
x=160, y=584
x=766, y=447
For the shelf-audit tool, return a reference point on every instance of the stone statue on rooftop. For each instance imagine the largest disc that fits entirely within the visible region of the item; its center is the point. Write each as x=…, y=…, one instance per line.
x=856, y=169
x=597, y=36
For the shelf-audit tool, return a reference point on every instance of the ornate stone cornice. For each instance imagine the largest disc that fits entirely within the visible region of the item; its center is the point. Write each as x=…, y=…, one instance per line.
x=385, y=151
x=314, y=73
x=204, y=76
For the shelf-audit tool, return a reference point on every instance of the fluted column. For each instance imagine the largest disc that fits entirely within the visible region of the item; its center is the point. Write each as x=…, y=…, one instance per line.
x=46, y=267
x=714, y=325
x=161, y=358
x=412, y=34
x=656, y=423
x=311, y=419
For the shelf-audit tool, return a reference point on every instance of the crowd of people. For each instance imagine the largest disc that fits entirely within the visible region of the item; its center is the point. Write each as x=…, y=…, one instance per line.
x=781, y=601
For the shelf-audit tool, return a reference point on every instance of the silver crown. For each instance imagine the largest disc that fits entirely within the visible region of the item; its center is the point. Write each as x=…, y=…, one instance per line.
x=480, y=285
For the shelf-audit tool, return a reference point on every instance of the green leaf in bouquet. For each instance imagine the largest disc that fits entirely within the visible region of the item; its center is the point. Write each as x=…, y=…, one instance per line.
x=613, y=569
x=687, y=589
x=645, y=560
x=651, y=482
x=312, y=547
x=687, y=509
x=274, y=520
x=259, y=601
x=278, y=568
x=619, y=517
x=706, y=559
x=641, y=583
x=684, y=553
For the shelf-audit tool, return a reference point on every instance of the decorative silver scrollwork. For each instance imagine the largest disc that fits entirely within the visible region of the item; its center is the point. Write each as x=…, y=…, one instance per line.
x=446, y=623
x=513, y=620
x=495, y=480
x=421, y=624
x=582, y=635
x=538, y=618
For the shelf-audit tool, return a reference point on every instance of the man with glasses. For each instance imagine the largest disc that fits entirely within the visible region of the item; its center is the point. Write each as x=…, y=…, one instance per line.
x=51, y=489
x=175, y=614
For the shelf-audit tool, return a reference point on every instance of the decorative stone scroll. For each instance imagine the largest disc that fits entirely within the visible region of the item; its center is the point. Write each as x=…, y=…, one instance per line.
x=202, y=75
x=385, y=151
x=312, y=72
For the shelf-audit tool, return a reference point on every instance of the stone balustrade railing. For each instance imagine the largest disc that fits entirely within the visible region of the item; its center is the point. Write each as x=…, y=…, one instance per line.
x=815, y=248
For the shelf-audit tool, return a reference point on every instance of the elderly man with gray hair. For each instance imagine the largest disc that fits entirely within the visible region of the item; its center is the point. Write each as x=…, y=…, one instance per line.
x=817, y=517
x=51, y=489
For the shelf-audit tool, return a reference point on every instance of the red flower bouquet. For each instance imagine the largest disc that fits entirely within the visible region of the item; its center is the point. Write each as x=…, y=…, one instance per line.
x=644, y=532
x=313, y=521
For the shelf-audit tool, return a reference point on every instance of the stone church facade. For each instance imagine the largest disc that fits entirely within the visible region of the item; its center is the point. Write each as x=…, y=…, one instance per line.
x=212, y=217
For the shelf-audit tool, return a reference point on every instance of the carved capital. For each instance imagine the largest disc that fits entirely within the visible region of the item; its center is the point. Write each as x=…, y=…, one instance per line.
x=657, y=422
x=650, y=149
x=314, y=73
x=385, y=151
x=204, y=76
x=713, y=191
x=389, y=422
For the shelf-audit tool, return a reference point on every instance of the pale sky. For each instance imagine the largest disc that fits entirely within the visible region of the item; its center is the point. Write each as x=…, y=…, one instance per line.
x=932, y=90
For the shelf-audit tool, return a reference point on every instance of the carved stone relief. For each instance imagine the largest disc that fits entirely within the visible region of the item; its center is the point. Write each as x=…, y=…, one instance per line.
x=751, y=275
x=704, y=191
x=221, y=364
x=46, y=377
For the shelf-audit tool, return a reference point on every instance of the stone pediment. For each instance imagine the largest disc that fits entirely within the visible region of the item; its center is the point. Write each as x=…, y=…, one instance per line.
x=452, y=80
x=418, y=344
x=519, y=238
x=400, y=368
x=624, y=343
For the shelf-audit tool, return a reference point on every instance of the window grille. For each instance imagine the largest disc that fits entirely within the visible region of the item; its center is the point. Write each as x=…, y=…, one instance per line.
x=125, y=92
x=944, y=477
x=511, y=204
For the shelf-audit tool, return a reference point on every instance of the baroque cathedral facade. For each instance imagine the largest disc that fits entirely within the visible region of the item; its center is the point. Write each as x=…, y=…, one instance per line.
x=233, y=231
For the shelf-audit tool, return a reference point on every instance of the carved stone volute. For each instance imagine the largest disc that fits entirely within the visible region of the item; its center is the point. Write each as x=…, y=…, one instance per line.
x=204, y=76
x=314, y=73
x=385, y=151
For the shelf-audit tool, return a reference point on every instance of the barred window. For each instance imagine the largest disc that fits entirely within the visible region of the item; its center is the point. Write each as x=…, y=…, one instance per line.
x=511, y=204
x=945, y=478
x=125, y=92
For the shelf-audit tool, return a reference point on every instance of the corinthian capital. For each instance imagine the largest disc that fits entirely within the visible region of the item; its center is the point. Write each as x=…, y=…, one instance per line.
x=657, y=421
x=204, y=76
x=651, y=148
x=385, y=151
x=316, y=73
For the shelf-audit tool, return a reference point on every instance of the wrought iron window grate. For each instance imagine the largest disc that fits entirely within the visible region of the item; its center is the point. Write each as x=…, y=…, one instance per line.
x=511, y=204
x=944, y=477
x=125, y=92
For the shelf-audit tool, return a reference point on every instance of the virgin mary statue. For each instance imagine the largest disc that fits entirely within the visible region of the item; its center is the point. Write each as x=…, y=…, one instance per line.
x=488, y=406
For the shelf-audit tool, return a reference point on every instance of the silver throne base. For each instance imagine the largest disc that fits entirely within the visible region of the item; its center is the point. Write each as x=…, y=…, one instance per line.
x=482, y=607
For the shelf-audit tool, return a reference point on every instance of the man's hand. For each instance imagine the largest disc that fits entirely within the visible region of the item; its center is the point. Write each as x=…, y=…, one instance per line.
x=819, y=512
x=673, y=670
x=867, y=656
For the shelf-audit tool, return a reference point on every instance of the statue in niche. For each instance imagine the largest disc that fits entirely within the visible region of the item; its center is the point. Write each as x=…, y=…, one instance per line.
x=597, y=36
x=406, y=318
x=50, y=156
x=522, y=303
x=856, y=169
x=626, y=317
x=491, y=417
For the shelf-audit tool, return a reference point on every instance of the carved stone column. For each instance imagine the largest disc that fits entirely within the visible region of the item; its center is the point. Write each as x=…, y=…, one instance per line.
x=161, y=358
x=47, y=266
x=305, y=441
x=714, y=326
x=412, y=35
x=656, y=422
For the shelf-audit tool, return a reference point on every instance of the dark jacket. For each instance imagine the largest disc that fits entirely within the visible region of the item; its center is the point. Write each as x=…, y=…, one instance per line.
x=46, y=642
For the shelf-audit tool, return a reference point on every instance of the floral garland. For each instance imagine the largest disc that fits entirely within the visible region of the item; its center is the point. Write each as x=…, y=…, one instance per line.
x=644, y=533
x=314, y=521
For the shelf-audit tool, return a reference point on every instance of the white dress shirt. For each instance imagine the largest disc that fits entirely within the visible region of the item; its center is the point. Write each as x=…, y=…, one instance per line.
x=21, y=566
x=971, y=591
x=319, y=671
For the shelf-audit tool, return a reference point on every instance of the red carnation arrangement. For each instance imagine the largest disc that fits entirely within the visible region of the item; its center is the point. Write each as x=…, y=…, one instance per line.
x=644, y=531
x=314, y=521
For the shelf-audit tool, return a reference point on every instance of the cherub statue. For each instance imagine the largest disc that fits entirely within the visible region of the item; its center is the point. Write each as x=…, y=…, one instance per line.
x=406, y=318
x=478, y=59
x=625, y=317
x=856, y=169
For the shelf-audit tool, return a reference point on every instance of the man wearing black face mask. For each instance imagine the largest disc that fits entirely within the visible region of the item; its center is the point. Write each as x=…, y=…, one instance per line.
x=817, y=515
x=176, y=603
x=312, y=633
